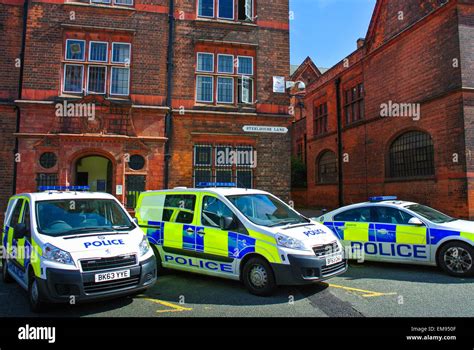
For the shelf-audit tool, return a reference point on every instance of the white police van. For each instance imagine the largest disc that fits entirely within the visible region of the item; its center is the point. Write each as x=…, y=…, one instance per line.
x=239, y=234
x=65, y=244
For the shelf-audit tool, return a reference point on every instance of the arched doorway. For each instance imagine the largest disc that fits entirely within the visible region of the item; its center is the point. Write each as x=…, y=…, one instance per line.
x=96, y=172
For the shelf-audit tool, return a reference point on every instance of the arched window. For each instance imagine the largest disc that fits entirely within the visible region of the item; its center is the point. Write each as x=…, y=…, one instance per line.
x=411, y=155
x=326, y=166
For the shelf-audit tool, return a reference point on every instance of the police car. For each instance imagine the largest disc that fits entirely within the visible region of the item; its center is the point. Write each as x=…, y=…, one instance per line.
x=65, y=244
x=387, y=229
x=239, y=234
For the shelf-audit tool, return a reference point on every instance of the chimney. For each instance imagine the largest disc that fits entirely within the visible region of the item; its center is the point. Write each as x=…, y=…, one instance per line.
x=360, y=42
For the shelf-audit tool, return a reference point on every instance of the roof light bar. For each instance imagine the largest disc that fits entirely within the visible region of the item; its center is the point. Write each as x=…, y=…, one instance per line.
x=216, y=184
x=383, y=198
x=63, y=188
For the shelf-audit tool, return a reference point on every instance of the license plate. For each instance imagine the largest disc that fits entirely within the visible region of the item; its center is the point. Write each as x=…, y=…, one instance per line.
x=334, y=259
x=110, y=276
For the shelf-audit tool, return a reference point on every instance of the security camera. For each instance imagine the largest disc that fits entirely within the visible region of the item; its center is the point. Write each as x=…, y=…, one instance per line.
x=301, y=86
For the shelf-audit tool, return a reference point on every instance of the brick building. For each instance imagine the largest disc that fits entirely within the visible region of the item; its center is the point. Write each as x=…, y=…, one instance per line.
x=106, y=90
x=396, y=116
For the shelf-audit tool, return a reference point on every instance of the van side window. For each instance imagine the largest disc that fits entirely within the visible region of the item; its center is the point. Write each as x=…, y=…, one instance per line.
x=212, y=211
x=27, y=220
x=179, y=208
x=16, y=213
x=355, y=215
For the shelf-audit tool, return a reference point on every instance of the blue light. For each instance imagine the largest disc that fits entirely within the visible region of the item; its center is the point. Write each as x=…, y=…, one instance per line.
x=216, y=184
x=383, y=198
x=63, y=188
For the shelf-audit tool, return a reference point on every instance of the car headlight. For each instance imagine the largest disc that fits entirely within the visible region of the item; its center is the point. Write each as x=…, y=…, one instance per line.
x=144, y=246
x=55, y=254
x=289, y=242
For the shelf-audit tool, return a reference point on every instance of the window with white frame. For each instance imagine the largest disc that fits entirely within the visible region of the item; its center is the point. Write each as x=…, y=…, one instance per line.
x=96, y=67
x=113, y=2
x=224, y=79
x=230, y=10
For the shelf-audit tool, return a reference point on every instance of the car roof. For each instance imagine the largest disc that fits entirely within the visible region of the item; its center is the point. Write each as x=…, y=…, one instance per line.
x=389, y=203
x=55, y=195
x=223, y=191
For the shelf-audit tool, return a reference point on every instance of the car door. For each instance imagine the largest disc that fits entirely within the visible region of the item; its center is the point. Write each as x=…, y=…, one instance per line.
x=24, y=244
x=396, y=238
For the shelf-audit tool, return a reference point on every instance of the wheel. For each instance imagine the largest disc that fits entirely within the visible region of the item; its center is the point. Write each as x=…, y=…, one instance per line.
x=34, y=295
x=456, y=258
x=5, y=274
x=160, y=270
x=258, y=277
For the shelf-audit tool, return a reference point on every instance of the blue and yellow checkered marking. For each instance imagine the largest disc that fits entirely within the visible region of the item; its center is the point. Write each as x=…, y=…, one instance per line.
x=240, y=245
x=155, y=232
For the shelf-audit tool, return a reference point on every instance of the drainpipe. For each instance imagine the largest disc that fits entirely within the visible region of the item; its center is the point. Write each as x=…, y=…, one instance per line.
x=20, y=88
x=169, y=93
x=339, y=144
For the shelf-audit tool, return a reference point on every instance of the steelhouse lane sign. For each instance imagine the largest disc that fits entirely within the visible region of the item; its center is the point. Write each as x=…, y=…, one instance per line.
x=265, y=129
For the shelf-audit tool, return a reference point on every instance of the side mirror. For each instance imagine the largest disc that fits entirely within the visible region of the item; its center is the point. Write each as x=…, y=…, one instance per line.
x=135, y=220
x=227, y=223
x=415, y=221
x=19, y=231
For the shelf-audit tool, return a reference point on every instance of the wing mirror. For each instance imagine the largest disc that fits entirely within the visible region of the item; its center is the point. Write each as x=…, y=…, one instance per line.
x=227, y=223
x=20, y=231
x=416, y=222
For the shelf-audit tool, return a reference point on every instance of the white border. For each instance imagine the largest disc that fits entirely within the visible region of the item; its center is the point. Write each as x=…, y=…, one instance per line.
x=64, y=79
x=226, y=18
x=238, y=65
x=87, y=80
x=242, y=89
x=233, y=90
x=233, y=63
x=100, y=2
x=71, y=59
x=111, y=77
x=129, y=53
x=212, y=98
x=106, y=51
x=213, y=62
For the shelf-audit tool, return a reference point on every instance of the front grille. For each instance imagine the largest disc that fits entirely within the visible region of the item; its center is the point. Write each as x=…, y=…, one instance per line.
x=92, y=287
x=332, y=269
x=326, y=249
x=108, y=263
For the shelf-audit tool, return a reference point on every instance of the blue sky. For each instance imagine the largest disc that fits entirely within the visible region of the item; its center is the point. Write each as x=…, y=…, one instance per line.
x=327, y=30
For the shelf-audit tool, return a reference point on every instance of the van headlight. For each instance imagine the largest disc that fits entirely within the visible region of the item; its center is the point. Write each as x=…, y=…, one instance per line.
x=55, y=254
x=144, y=246
x=289, y=242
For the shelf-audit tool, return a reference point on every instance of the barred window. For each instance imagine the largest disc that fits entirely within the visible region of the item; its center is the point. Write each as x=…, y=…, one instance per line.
x=320, y=119
x=412, y=155
x=134, y=185
x=354, y=109
x=327, y=168
x=43, y=179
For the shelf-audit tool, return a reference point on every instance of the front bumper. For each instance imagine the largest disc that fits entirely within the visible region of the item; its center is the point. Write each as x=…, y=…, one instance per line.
x=61, y=285
x=306, y=270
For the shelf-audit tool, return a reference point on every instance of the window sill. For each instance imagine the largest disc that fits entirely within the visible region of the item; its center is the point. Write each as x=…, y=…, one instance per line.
x=101, y=6
x=411, y=179
x=224, y=21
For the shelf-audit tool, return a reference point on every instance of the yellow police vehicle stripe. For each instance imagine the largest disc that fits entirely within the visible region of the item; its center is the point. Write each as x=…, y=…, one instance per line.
x=173, y=235
x=356, y=231
x=215, y=242
x=410, y=234
x=468, y=235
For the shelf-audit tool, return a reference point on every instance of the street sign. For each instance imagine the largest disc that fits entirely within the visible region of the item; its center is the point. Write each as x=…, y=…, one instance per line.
x=265, y=129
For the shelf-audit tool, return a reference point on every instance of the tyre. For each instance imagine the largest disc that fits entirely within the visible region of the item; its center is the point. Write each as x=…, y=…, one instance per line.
x=160, y=270
x=34, y=295
x=258, y=277
x=5, y=274
x=456, y=258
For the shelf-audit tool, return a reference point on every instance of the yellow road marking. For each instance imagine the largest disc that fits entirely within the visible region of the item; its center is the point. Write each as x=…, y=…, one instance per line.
x=364, y=293
x=173, y=307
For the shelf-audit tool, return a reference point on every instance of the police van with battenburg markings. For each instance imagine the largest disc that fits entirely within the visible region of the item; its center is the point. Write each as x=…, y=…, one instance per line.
x=239, y=234
x=389, y=230
x=65, y=244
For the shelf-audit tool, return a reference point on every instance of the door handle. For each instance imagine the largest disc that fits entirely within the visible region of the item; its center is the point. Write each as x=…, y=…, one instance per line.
x=190, y=231
x=382, y=231
x=201, y=233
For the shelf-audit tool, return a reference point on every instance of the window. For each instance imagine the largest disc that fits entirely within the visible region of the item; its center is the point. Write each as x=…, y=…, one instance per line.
x=136, y=162
x=355, y=215
x=225, y=90
x=387, y=215
x=225, y=64
x=205, y=62
x=15, y=218
x=100, y=71
x=320, y=119
x=238, y=10
x=224, y=163
x=225, y=9
x=204, y=89
x=43, y=179
x=222, y=75
x=134, y=185
x=206, y=8
x=213, y=209
x=48, y=160
x=115, y=2
x=179, y=208
x=327, y=168
x=412, y=155
x=354, y=104
x=27, y=220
